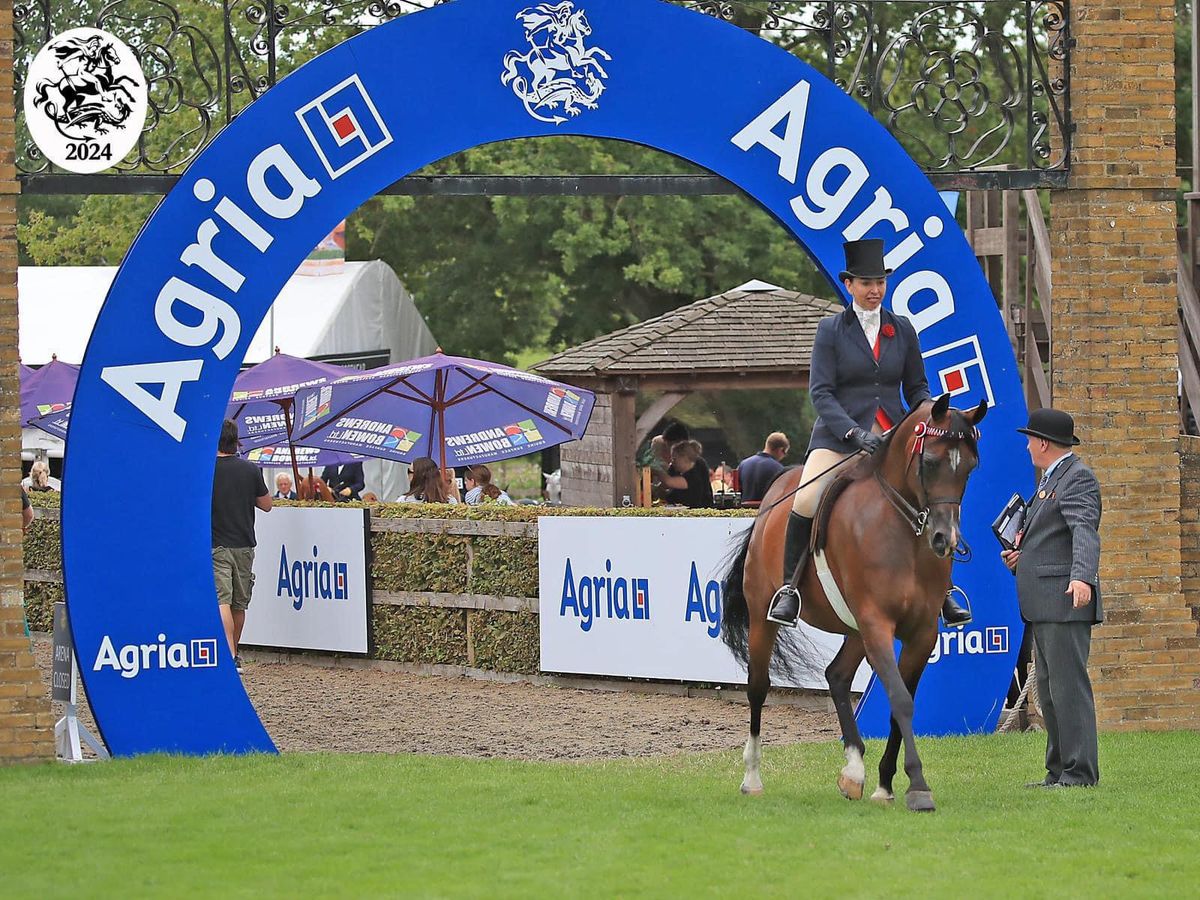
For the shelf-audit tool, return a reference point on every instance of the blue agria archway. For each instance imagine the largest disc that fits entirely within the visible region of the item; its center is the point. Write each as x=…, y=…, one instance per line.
x=203, y=272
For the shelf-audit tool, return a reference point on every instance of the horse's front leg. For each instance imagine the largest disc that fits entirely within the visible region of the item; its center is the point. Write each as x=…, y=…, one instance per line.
x=878, y=642
x=913, y=657
x=840, y=675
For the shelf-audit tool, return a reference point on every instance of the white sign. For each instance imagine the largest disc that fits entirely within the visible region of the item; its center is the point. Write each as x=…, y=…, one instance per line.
x=85, y=100
x=642, y=598
x=310, y=581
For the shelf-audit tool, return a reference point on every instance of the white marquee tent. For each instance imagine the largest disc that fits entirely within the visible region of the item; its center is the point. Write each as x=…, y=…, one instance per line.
x=362, y=310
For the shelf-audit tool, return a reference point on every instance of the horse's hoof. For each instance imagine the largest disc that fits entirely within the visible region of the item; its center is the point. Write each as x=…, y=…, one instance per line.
x=883, y=797
x=851, y=789
x=751, y=791
x=920, y=801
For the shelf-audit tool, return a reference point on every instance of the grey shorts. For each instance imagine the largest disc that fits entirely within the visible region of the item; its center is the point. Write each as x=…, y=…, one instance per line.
x=233, y=570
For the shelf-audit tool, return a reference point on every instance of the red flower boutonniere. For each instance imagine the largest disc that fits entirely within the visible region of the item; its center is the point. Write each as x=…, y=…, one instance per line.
x=888, y=330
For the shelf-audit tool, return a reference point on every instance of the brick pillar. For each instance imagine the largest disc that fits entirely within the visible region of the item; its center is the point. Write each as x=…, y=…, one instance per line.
x=1115, y=338
x=26, y=728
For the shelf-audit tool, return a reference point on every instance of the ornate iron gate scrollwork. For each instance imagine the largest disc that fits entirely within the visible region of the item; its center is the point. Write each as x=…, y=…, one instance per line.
x=963, y=85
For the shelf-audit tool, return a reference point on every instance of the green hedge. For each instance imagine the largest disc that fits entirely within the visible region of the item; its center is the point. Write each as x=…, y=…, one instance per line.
x=421, y=562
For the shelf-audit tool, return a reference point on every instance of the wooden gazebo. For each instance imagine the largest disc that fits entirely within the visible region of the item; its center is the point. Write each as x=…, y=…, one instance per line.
x=754, y=336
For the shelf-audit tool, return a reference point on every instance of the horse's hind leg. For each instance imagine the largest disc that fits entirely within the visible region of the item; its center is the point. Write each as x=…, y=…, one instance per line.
x=840, y=676
x=879, y=651
x=762, y=645
x=912, y=665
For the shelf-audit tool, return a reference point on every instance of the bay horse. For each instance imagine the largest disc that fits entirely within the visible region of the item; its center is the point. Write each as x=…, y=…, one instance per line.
x=888, y=528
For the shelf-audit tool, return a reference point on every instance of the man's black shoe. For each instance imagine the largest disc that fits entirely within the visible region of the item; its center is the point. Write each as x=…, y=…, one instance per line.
x=954, y=615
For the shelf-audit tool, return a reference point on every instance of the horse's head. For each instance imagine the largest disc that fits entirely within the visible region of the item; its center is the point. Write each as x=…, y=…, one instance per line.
x=578, y=25
x=941, y=451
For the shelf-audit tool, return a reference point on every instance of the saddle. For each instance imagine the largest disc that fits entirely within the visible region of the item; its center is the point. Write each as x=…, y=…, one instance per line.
x=831, y=496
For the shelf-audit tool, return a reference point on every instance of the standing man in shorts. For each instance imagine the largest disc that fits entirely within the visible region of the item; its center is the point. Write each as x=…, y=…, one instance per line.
x=238, y=490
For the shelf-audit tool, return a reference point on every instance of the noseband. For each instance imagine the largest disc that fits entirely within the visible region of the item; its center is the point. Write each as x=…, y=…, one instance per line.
x=917, y=518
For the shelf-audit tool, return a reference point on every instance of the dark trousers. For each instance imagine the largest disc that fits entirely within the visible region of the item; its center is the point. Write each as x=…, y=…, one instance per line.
x=1067, y=705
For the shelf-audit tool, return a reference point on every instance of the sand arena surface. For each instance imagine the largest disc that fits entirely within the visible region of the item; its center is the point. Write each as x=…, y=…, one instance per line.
x=310, y=707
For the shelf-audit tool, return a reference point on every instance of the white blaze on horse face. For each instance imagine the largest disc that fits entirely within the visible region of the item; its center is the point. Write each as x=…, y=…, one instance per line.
x=955, y=457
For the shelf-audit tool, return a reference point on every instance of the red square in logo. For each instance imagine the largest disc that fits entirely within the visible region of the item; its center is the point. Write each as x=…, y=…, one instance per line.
x=954, y=381
x=343, y=126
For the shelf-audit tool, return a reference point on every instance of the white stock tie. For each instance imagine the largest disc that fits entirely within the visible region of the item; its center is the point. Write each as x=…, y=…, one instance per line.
x=869, y=319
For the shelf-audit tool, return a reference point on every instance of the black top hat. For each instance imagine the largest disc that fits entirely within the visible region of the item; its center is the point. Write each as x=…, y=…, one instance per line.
x=864, y=259
x=1053, y=425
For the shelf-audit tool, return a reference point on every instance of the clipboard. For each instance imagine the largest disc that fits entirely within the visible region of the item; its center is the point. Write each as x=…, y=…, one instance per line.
x=1011, y=522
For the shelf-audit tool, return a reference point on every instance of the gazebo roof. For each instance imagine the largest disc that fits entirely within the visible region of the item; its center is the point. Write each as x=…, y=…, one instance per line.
x=754, y=328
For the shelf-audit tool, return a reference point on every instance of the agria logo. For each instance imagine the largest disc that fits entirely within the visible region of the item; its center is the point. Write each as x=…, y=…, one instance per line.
x=601, y=596
x=311, y=579
x=993, y=639
x=133, y=659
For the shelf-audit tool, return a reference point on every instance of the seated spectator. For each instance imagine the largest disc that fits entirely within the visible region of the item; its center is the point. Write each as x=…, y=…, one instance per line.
x=428, y=484
x=479, y=479
x=687, y=480
x=755, y=473
x=722, y=479
x=346, y=481
x=39, y=476
x=283, y=487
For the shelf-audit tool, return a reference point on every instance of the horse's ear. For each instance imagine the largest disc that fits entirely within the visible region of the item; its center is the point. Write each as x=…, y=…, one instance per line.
x=976, y=415
x=940, y=406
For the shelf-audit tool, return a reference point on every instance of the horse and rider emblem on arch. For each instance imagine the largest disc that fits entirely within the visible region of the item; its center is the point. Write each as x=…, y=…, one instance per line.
x=559, y=70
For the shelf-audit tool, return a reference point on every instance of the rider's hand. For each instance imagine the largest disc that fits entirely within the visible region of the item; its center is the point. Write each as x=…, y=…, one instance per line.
x=865, y=440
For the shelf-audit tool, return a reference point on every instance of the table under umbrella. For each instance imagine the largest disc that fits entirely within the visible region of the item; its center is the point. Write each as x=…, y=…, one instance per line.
x=456, y=410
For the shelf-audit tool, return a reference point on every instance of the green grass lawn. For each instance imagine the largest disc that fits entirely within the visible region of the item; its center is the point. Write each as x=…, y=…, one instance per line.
x=341, y=825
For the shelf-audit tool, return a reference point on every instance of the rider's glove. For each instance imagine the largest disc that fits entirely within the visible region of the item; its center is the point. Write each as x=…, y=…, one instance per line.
x=865, y=440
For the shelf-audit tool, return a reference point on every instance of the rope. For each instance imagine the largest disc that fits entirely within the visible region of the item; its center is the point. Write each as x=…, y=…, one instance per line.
x=1028, y=693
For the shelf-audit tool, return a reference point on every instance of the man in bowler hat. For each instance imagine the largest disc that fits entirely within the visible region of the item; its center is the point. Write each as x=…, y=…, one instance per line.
x=861, y=361
x=1057, y=564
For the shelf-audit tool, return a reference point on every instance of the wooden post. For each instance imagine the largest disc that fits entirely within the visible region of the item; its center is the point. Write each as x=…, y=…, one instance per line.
x=624, y=446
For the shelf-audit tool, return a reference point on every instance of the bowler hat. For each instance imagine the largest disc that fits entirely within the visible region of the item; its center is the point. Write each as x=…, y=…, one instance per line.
x=864, y=259
x=1053, y=425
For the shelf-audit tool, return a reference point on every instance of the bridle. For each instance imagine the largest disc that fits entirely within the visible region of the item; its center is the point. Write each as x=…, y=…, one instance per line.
x=917, y=518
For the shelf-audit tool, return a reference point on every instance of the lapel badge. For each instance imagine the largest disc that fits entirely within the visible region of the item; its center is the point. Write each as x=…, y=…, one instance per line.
x=1041, y=495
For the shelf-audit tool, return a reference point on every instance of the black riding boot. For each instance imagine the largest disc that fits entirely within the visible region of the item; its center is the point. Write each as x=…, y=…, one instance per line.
x=954, y=615
x=785, y=605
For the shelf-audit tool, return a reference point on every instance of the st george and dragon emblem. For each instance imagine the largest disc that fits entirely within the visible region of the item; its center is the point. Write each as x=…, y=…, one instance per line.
x=85, y=100
x=559, y=72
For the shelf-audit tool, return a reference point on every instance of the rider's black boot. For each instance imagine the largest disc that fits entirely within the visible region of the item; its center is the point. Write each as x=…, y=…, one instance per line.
x=785, y=605
x=954, y=615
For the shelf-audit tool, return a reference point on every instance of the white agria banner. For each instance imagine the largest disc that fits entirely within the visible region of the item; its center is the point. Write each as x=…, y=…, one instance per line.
x=642, y=598
x=310, y=581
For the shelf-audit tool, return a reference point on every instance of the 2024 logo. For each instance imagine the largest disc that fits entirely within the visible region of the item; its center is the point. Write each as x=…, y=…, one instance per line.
x=85, y=100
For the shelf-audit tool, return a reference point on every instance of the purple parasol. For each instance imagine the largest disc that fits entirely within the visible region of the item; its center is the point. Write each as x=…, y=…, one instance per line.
x=261, y=405
x=47, y=390
x=459, y=411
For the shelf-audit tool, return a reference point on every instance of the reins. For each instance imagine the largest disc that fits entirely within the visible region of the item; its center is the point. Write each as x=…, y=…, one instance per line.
x=917, y=518
x=805, y=484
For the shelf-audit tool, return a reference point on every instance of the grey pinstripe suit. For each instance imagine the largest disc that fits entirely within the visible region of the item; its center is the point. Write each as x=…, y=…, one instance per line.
x=1061, y=544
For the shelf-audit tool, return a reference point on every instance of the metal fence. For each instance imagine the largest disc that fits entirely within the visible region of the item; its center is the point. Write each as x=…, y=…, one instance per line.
x=962, y=85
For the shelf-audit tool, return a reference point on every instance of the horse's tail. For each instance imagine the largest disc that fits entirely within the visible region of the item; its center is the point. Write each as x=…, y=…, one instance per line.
x=735, y=614
x=794, y=655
